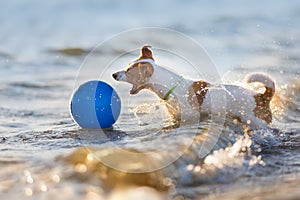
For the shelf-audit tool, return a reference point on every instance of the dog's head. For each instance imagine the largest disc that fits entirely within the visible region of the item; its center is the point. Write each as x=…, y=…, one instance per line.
x=138, y=71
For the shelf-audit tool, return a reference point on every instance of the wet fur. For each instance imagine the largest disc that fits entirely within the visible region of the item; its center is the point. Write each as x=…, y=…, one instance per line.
x=192, y=98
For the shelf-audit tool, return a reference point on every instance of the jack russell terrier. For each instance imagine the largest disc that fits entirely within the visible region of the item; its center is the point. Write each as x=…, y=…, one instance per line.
x=186, y=98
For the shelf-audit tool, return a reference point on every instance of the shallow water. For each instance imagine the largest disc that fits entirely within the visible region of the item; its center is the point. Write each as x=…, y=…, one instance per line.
x=40, y=146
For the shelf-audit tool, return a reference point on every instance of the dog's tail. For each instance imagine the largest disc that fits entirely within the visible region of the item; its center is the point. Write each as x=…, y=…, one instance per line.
x=266, y=80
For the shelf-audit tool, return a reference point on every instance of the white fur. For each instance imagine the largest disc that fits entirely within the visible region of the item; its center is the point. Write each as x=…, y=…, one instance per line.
x=262, y=78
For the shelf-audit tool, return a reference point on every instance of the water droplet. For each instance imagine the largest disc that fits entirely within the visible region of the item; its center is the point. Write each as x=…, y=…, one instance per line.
x=43, y=188
x=190, y=167
x=197, y=169
x=29, y=180
x=28, y=192
x=81, y=168
x=56, y=178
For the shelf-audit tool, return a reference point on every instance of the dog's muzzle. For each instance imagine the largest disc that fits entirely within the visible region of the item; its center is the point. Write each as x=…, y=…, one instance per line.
x=115, y=75
x=119, y=76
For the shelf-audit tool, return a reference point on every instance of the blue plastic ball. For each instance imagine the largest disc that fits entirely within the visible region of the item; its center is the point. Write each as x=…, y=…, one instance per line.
x=95, y=104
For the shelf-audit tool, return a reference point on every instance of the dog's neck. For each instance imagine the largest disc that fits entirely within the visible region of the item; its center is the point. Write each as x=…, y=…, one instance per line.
x=163, y=82
x=174, y=89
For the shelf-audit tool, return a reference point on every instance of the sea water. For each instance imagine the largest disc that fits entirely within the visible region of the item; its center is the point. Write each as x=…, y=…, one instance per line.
x=43, y=44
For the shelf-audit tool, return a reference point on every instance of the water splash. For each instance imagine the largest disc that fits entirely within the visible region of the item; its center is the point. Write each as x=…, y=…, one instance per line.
x=153, y=114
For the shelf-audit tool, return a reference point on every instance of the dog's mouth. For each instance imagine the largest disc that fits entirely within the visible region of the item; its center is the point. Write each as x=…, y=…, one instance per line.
x=119, y=76
x=134, y=90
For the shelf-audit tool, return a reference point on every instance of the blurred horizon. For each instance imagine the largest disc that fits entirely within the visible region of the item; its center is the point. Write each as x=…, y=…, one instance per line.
x=231, y=31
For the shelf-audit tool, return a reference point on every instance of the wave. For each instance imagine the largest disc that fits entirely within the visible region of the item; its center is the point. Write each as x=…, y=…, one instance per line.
x=238, y=152
x=74, y=51
x=285, y=104
x=33, y=85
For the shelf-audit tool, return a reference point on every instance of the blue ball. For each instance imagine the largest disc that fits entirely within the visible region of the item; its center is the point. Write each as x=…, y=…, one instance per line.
x=95, y=104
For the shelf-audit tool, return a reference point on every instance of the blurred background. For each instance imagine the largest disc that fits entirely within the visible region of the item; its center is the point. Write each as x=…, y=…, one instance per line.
x=231, y=31
x=43, y=44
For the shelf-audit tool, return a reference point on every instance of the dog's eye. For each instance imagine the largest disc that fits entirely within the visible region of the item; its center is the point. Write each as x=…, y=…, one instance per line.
x=128, y=69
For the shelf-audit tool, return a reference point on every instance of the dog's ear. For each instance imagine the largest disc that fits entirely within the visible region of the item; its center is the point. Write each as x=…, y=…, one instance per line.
x=146, y=53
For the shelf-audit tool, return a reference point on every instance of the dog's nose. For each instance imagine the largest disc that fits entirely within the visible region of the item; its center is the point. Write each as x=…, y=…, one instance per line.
x=115, y=75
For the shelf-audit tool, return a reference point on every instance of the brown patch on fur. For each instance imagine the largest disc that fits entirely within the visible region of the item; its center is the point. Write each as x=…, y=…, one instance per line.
x=139, y=73
x=145, y=53
x=262, y=109
x=198, y=89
